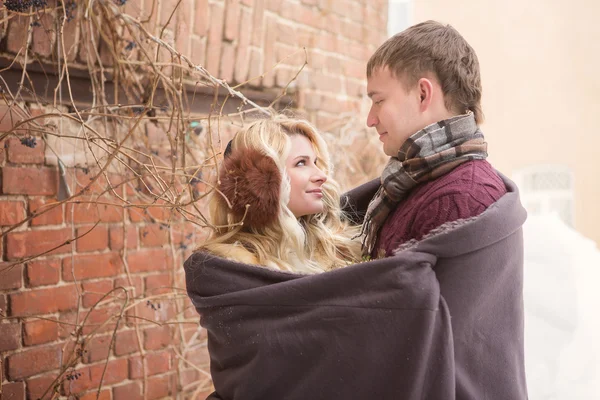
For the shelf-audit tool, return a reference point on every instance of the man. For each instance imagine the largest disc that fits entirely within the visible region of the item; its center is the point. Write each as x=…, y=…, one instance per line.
x=439, y=195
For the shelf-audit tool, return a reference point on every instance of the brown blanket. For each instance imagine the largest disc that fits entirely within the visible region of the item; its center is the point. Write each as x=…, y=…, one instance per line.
x=442, y=319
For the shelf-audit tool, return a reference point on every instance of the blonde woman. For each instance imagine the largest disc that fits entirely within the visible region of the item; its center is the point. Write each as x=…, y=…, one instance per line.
x=289, y=311
x=277, y=204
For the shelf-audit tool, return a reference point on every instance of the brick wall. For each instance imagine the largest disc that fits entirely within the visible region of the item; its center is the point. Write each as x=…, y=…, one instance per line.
x=90, y=285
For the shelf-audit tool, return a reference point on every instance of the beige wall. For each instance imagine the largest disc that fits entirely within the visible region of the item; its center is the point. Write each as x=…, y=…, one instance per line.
x=540, y=63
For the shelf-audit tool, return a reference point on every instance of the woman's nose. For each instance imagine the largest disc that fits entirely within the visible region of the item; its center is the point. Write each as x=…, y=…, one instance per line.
x=319, y=176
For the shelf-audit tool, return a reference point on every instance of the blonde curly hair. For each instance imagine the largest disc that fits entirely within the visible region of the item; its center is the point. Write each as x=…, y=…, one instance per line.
x=309, y=244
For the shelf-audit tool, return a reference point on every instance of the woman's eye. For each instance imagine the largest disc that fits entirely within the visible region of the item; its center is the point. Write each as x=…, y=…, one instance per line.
x=378, y=102
x=300, y=163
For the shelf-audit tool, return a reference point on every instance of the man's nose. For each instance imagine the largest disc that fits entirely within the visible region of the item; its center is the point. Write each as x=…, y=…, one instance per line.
x=372, y=119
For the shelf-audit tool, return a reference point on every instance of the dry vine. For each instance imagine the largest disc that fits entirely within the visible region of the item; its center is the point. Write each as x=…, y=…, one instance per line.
x=139, y=81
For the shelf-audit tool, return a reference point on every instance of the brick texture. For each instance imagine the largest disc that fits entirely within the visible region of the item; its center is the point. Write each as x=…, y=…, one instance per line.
x=39, y=331
x=11, y=212
x=34, y=361
x=235, y=40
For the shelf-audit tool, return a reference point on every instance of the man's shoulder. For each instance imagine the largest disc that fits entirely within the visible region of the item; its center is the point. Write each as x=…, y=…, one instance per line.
x=477, y=179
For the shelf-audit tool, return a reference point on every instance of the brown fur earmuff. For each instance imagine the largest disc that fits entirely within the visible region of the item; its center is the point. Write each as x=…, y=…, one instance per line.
x=251, y=177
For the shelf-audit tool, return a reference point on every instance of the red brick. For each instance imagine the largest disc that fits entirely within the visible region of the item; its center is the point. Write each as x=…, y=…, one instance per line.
x=157, y=337
x=42, y=387
x=93, y=395
x=11, y=276
x=90, y=37
x=97, y=349
x=213, y=51
x=126, y=343
x=128, y=391
x=13, y=391
x=167, y=8
x=200, y=356
x=49, y=214
x=43, y=36
x=10, y=336
x=232, y=18
x=258, y=15
x=66, y=327
x=34, y=361
x=92, y=239
x=157, y=311
x=84, y=212
x=198, y=51
x=8, y=119
x=183, y=28
x=227, y=62
x=154, y=235
x=148, y=260
x=17, y=35
x=11, y=212
x=242, y=65
x=39, y=331
x=2, y=151
x=91, y=266
x=160, y=386
x=156, y=363
x=71, y=37
x=256, y=67
x=3, y=308
x=202, y=22
x=33, y=243
x=134, y=287
x=116, y=371
x=42, y=272
x=100, y=319
x=274, y=5
x=94, y=291
x=116, y=237
x=110, y=213
x=29, y=180
x=43, y=301
x=159, y=213
x=269, y=51
x=158, y=284
x=189, y=376
x=21, y=154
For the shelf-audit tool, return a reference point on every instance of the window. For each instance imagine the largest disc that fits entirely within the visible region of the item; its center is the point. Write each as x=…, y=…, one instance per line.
x=547, y=189
x=399, y=15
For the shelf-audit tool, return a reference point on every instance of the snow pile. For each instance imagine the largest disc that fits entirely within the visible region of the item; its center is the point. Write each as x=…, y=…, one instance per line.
x=562, y=317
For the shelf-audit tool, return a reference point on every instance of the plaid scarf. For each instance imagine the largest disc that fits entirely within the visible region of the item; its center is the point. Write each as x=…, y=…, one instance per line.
x=428, y=154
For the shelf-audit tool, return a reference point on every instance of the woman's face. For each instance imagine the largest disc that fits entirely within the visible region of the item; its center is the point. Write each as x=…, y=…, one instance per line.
x=306, y=178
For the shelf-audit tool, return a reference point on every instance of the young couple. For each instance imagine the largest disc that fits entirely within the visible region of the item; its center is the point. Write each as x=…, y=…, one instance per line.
x=291, y=310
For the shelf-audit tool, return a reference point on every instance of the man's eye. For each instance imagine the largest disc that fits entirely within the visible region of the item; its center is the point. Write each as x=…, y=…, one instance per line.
x=378, y=102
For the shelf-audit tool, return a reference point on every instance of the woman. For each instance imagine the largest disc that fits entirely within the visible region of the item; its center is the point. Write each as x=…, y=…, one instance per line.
x=372, y=330
x=276, y=205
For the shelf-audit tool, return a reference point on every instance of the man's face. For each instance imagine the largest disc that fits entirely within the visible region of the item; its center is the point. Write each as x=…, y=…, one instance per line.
x=395, y=112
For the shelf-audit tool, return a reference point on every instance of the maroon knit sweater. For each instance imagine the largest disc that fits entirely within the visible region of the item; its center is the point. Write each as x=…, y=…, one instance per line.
x=464, y=192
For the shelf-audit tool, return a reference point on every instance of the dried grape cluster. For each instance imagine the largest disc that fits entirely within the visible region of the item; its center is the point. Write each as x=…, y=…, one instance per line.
x=24, y=5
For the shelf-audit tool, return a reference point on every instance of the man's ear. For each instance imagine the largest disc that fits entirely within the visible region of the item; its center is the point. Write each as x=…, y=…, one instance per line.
x=425, y=88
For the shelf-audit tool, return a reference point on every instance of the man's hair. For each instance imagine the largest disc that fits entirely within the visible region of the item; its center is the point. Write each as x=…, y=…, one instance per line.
x=431, y=47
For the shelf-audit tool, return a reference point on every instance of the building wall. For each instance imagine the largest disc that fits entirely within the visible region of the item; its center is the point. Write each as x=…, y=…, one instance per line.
x=58, y=258
x=540, y=86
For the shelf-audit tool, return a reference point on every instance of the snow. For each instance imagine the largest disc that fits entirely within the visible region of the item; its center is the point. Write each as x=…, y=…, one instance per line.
x=562, y=323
